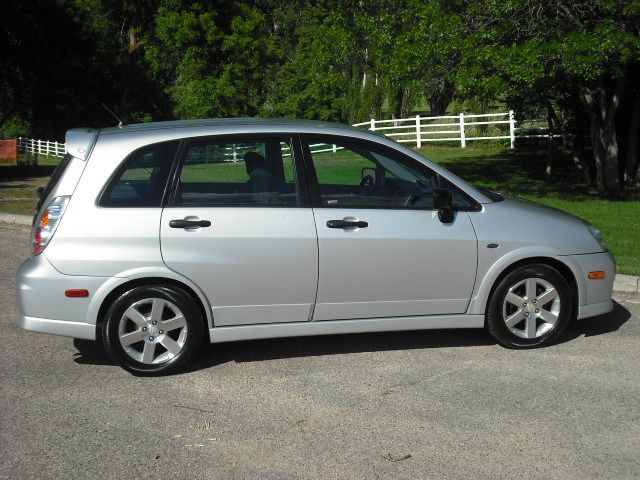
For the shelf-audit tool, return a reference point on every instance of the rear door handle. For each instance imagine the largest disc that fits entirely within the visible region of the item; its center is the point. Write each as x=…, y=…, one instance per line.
x=189, y=223
x=346, y=224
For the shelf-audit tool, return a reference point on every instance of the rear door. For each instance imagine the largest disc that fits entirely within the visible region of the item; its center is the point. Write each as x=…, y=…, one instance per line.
x=383, y=252
x=239, y=224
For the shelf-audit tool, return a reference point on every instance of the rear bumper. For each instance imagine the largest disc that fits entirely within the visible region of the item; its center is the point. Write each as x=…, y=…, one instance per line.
x=43, y=306
x=58, y=327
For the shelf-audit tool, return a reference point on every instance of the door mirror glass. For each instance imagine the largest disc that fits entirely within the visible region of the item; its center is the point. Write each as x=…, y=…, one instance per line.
x=368, y=177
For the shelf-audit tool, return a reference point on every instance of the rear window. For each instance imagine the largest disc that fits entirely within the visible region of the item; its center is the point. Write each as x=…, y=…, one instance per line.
x=55, y=178
x=142, y=178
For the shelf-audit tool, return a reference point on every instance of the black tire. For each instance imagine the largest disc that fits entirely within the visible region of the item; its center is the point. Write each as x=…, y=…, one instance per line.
x=496, y=324
x=179, y=298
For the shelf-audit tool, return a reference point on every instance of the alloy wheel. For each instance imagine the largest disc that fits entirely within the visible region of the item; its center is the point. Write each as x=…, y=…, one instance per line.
x=152, y=331
x=531, y=308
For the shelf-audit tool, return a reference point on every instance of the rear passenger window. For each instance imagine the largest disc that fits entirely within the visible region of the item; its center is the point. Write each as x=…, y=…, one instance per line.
x=238, y=172
x=141, y=180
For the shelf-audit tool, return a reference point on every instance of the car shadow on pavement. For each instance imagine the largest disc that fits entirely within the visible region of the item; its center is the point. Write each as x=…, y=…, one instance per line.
x=92, y=353
x=317, y=346
x=600, y=325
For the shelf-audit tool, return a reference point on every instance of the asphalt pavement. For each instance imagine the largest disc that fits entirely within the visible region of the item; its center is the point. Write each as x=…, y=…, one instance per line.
x=432, y=404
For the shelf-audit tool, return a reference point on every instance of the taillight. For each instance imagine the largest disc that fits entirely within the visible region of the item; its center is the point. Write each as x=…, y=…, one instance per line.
x=48, y=222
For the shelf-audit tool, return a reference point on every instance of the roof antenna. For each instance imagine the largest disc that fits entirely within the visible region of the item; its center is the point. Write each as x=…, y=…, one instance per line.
x=120, y=122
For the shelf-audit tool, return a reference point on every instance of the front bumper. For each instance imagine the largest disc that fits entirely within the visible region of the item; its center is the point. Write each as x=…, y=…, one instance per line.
x=594, y=295
x=43, y=306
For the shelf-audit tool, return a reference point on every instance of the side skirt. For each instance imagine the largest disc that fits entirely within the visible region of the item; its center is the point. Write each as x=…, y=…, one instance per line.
x=334, y=327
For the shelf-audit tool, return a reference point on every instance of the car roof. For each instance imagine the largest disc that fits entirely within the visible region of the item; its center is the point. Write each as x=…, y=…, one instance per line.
x=221, y=123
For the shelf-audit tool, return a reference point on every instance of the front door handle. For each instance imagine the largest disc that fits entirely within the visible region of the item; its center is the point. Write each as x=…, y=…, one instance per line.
x=189, y=223
x=347, y=224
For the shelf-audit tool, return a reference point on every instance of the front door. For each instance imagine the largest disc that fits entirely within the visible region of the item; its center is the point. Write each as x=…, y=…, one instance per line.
x=239, y=225
x=383, y=252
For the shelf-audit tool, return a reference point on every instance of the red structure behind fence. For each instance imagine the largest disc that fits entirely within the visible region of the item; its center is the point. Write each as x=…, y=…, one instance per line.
x=8, y=151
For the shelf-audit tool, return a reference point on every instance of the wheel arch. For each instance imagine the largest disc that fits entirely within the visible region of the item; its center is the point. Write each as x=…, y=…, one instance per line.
x=563, y=264
x=116, y=286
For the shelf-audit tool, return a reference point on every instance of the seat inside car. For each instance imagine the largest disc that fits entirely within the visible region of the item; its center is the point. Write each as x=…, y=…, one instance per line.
x=261, y=178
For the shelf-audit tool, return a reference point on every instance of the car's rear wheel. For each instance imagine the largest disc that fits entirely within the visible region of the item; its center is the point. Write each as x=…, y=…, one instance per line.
x=153, y=329
x=530, y=307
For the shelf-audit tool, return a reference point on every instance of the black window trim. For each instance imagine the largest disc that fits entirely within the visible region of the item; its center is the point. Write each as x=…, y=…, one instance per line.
x=314, y=189
x=298, y=159
x=117, y=173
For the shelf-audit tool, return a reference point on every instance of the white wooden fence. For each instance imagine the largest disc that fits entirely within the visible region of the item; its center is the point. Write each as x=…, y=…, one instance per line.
x=42, y=147
x=448, y=128
x=460, y=128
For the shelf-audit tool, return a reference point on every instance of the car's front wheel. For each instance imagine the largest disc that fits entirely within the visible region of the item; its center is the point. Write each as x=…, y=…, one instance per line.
x=530, y=307
x=153, y=329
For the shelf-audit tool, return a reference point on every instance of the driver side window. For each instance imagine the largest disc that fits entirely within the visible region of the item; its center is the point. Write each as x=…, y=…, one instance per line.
x=361, y=175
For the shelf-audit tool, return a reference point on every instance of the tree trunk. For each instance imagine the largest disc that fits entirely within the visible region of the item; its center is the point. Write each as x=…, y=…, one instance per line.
x=598, y=151
x=551, y=150
x=576, y=146
x=396, y=102
x=407, y=102
x=632, y=170
x=440, y=98
x=609, y=139
x=602, y=106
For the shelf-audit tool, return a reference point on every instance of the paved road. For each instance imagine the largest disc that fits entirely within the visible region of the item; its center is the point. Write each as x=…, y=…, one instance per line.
x=332, y=407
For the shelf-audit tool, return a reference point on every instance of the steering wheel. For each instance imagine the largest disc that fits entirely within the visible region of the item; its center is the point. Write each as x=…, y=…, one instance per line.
x=416, y=197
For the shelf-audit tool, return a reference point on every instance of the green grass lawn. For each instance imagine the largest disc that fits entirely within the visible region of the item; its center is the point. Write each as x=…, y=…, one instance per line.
x=519, y=173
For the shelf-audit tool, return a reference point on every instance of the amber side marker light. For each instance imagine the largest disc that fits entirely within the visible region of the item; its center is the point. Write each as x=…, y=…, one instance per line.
x=78, y=293
x=598, y=274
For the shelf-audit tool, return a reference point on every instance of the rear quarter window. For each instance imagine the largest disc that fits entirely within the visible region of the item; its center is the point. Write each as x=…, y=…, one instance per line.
x=142, y=178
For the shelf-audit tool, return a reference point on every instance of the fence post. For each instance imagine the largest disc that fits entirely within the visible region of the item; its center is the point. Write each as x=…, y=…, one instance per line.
x=512, y=129
x=39, y=146
x=463, y=139
x=335, y=148
x=373, y=125
x=418, y=133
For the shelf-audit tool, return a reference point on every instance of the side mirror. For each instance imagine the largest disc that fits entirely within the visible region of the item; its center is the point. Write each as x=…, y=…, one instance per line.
x=368, y=177
x=442, y=203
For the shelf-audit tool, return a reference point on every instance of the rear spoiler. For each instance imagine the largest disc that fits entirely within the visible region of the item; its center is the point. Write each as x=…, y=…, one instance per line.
x=80, y=141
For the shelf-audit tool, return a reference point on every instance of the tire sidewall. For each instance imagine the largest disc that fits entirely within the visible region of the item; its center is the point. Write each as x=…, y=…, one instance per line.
x=495, y=321
x=181, y=300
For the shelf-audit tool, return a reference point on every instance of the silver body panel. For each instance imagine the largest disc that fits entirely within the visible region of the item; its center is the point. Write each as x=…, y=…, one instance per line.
x=429, y=268
x=269, y=272
x=256, y=265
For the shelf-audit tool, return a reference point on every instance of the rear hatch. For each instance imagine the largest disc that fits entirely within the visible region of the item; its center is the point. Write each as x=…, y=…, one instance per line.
x=54, y=198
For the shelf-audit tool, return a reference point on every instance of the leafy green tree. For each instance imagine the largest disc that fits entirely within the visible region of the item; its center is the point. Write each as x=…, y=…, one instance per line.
x=426, y=51
x=317, y=80
x=214, y=60
x=557, y=49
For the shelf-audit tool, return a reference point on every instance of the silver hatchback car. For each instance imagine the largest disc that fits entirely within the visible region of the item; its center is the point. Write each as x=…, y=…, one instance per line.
x=154, y=236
